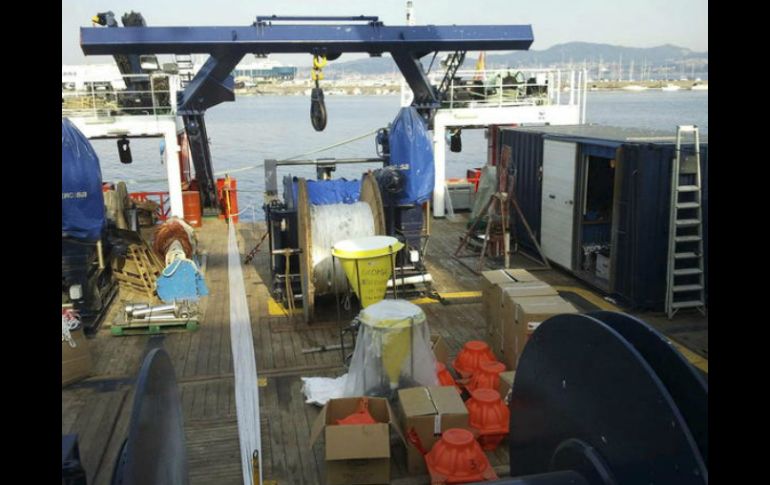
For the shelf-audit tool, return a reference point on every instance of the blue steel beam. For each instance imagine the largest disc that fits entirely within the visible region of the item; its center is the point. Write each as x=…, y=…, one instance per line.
x=312, y=39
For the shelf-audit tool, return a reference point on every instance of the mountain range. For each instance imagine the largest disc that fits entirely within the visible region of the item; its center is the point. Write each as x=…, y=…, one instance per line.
x=560, y=54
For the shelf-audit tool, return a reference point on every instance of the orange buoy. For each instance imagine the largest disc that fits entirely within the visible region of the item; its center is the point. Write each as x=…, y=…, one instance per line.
x=445, y=378
x=489, y=415
x=458, y=458
x=471, y=356
x=360, y=416
x=487, y=377
x=191, y=201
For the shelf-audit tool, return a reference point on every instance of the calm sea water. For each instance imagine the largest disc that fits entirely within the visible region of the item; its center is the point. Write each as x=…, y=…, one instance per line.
x=252, y=129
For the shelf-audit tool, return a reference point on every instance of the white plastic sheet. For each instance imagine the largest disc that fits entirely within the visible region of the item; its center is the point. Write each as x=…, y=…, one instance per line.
x=393, y=350
x=318, y=390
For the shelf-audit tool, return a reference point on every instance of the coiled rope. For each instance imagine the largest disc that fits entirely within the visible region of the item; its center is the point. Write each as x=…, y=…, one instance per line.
x=69, y=322
x=330, y=224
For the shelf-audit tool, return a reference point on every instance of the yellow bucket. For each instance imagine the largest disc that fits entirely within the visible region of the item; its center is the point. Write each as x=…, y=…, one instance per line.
x=367, y=264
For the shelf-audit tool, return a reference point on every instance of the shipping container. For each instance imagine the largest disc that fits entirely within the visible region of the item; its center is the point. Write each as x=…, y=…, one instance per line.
x=598, y=201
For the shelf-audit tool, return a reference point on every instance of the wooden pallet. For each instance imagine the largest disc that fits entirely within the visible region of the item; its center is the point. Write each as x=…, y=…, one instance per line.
x=139, y=269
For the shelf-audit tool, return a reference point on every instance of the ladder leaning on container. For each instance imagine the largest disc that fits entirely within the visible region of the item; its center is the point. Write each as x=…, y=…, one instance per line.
x=685, y=278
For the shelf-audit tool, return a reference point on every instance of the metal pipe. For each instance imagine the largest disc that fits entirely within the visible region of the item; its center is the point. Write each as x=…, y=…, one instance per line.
x=163, y=318
x=171, y=307
x=100, y=253
x=410, y=280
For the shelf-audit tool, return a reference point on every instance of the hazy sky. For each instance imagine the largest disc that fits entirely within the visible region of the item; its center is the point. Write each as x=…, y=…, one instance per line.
x=631, y=23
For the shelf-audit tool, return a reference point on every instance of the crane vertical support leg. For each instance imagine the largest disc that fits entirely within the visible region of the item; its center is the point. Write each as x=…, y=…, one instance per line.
x=195, y=126
x=409, y=65
x=212, y=85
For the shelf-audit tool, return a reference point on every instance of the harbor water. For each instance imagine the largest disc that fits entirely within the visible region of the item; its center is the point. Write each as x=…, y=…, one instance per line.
x=254, y=128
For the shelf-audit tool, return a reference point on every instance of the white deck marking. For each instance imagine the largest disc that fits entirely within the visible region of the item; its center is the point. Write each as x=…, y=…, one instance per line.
x=244, y=363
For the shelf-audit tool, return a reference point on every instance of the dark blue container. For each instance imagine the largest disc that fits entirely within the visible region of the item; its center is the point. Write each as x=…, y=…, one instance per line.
x=641, y=205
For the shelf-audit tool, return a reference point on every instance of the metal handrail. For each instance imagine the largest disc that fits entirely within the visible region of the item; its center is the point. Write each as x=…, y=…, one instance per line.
x=471, y=88
x=114, y=100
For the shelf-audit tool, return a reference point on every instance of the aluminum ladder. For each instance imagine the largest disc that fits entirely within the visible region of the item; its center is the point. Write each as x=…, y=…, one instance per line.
x=685, y=278
x=186, y=68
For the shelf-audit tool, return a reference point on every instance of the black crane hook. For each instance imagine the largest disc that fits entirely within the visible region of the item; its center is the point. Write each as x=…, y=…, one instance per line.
x=317, y=105
x=317, y=109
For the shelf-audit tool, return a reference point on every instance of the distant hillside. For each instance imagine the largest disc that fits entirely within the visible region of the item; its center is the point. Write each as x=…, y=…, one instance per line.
x=561, y=54
x=577, y=52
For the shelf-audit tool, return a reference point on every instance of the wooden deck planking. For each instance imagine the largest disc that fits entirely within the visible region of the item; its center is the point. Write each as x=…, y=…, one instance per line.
x=203, y=364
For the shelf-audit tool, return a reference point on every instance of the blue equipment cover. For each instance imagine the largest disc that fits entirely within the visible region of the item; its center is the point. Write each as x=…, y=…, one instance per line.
x=82, y=202
x=181, y=280
x=323, y=192
x=411, y=150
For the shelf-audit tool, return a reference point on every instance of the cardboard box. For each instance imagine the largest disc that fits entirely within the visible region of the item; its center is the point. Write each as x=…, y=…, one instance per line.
x=506, y=384
x=509, y=293
x=440, y=349
x=429, y=411
x=75, y=361
x=491, y=284
x=356, y=453
x=510, y=342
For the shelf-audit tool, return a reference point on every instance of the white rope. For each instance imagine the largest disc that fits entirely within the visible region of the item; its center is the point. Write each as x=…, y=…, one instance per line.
x=244, y=364
x=251, y=167
x=69, y=322
x=301, y=155
x=331, y=224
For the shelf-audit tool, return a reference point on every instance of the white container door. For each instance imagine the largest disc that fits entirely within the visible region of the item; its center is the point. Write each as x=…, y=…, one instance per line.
x=558, y=209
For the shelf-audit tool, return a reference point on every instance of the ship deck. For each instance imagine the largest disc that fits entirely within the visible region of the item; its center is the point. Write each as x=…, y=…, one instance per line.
x=98, y=408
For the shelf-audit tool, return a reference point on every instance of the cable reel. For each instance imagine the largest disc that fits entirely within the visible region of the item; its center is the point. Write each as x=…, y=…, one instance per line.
x=317, y=105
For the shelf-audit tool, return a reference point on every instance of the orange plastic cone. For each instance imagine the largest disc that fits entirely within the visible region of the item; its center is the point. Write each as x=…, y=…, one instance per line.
x=471, y=356
x=361, y=416
x=445, y=378
x=458, y=458
x=489, y=415
x=487, y=377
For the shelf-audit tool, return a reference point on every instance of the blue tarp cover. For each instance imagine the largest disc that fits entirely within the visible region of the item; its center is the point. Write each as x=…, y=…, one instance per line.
x=82, y=202
x=322, y=192
x=411, y=150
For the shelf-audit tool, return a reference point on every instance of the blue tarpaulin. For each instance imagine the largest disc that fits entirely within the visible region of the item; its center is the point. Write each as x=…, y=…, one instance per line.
x=82, y=202
x=322, y=192
x=411, y=150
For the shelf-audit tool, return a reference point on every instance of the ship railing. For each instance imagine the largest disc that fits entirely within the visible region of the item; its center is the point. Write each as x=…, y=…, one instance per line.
x=163, y=210
x=515, y=87
x=135, y=94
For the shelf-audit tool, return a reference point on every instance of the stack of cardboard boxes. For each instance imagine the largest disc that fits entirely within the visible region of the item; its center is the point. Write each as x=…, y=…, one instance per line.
x=512, y=299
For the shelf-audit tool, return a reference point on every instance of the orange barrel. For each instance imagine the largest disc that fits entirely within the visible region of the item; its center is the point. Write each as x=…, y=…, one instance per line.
x=191, y=201
x=233, y=197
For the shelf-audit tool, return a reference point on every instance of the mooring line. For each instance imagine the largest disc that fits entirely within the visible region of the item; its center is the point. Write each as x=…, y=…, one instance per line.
x=244, y=367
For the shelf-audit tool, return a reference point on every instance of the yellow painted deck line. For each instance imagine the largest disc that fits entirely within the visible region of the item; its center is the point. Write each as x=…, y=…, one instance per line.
x=461, y=294
x=590, y=297
x=275, y=309
x=692, y=357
